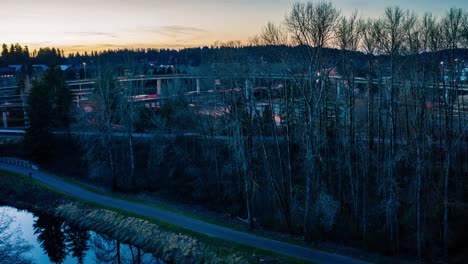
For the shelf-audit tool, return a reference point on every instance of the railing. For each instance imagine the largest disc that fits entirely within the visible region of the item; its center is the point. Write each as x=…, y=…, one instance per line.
x=18, y=162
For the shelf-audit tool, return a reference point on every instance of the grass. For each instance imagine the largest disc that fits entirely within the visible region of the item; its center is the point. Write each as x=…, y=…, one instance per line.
x=200, y=218
x=125, y=197
x=220, y=245
x=217, y=245
x=129, y=199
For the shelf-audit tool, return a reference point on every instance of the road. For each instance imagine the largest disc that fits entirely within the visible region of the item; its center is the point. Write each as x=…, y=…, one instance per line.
x=198, y=226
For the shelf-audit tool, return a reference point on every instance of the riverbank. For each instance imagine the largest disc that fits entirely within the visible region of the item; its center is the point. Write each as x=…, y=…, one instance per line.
x=172, y=246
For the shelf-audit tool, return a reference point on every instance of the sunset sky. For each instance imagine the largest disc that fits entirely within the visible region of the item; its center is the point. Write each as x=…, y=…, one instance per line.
x=96, y=24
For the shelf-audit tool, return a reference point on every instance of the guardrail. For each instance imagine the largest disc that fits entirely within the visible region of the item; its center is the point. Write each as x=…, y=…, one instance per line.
x=19, y=163
x=13, y=131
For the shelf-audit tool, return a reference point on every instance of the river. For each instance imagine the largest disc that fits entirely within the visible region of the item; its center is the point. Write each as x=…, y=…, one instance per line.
x=29, y=238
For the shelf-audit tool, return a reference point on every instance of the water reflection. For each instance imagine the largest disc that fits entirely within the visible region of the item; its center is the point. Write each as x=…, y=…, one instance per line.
x=46, y=239
x=109, y=250
x=77, y=240
x=51, y=237
x=13, y=248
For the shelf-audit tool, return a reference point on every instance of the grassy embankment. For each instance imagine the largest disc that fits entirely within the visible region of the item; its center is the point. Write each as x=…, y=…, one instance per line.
x=164, y=240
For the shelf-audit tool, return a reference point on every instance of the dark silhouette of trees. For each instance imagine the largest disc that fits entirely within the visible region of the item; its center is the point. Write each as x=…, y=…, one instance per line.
x=49, y=107
x=19, y=55
x=107, y=249
x=77, y=241
x=16, y=55
x=100, y=149
x=312, y=25
x=51, y=237
x=355, y=132
x=37, y=139
x=49, y=56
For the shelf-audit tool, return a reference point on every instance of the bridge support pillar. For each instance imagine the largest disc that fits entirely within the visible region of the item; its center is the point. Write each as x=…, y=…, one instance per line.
x=339, y=87
x=198, y=85
x=158, y=87
x=248, y=91
x=5, y=119
x=447, y=101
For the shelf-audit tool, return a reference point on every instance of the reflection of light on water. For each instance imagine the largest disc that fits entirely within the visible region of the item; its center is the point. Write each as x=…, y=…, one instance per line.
x=22, y=226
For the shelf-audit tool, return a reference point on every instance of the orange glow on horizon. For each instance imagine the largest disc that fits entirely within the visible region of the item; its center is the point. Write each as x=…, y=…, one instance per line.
x=99, y=48
x=90, y=25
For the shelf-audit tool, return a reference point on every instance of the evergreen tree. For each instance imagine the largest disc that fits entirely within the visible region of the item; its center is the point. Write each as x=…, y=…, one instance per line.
x=61, y=100
x=4, y=51
x=37, y=139
x=50, y=104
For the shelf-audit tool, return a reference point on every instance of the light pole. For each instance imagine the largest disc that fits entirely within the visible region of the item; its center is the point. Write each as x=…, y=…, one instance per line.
x=442, y=71
x=84, y=68
x=443, y=84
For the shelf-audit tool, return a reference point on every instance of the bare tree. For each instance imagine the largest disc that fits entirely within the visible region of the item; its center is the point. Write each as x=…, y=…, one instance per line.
x=453, y=26
x=370, y=45
x=392, y=39
x=415, y=45
x=348, y=37
x=237, y=114
x=312, y=26
x=127, y=112
x=274, y=35
x=96, y=128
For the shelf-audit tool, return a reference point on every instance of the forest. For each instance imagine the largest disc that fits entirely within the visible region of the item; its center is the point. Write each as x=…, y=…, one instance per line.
x=361, y=142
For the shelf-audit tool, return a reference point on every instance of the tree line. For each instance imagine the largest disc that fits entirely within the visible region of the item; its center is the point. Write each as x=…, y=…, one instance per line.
x=396, y=154
x=19, y=55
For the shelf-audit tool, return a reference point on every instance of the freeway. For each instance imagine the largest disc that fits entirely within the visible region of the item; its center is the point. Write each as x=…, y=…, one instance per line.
x=358, y=80
x=210, y=230
x=282, y=77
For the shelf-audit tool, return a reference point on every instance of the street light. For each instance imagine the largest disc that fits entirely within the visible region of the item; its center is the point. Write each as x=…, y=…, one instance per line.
x=442, y=71
x=84, y=67
x=443, y=83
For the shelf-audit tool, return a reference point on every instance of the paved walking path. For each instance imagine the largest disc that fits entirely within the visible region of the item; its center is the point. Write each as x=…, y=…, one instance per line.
x=211, y=230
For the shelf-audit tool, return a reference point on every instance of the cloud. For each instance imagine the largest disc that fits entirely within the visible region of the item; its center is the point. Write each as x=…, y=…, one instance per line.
x=39, y=43
x=174, y=31
x=106, y=46
x=92, y=34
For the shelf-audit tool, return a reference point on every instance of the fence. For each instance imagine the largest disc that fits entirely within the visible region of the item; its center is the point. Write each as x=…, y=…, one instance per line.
x=18, y=162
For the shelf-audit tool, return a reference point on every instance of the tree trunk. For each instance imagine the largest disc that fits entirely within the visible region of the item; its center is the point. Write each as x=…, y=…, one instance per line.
x=138, y=256
x=132, y=161
x=310, y=175
x=418, y=201
x=446, y=190
x=247, y=193
x=118, y=253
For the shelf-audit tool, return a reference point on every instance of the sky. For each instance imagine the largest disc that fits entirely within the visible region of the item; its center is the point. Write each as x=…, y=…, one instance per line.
x=78, y=25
